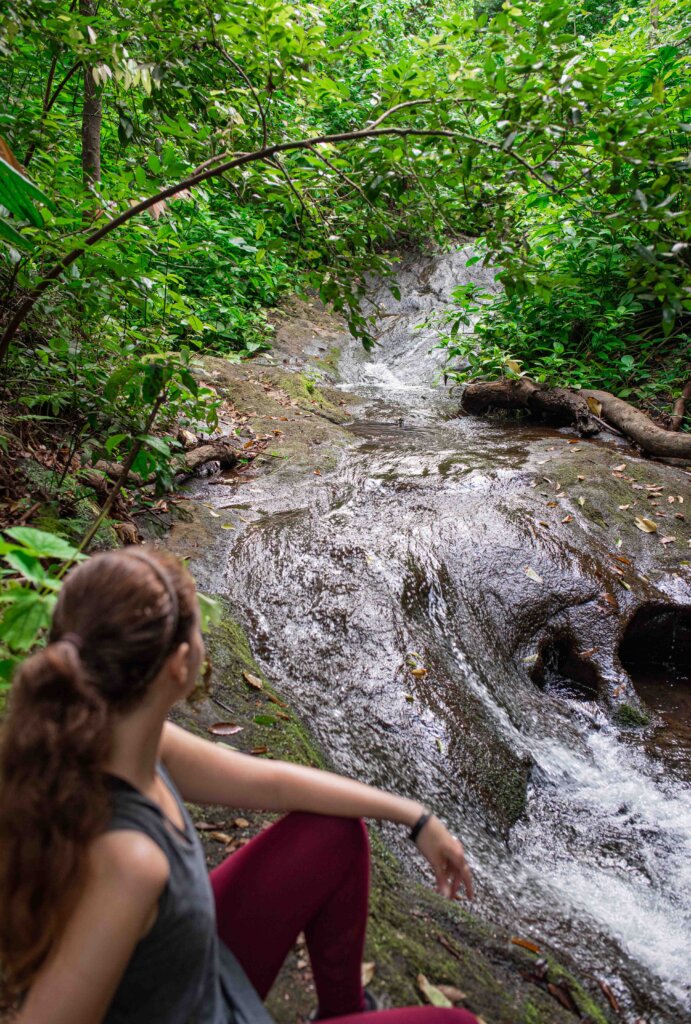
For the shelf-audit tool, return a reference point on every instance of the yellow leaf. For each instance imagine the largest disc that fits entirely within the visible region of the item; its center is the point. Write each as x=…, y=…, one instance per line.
x=418, y=672
x=532, y=575
x=431, y=993
x=452, y=993
x=646, y=525
x=221, y=837
x=513, y=365
x=594, y=405
x=253, y=681
x=367, y=972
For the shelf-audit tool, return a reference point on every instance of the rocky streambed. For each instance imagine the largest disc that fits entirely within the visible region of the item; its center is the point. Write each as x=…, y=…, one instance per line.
x=468, y=611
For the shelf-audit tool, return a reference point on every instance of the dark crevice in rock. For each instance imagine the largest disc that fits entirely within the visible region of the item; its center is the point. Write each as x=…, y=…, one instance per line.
x=563, y=669
x=656, y=645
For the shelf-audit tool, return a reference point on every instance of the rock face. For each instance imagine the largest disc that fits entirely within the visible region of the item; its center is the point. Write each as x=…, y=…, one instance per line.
x=452, y=606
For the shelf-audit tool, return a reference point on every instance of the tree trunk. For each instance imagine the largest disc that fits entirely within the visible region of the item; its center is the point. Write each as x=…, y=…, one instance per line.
x=92, y=113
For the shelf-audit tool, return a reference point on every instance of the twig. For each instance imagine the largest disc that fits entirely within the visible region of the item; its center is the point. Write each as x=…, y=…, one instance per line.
x=243, y=75
x=217, y=700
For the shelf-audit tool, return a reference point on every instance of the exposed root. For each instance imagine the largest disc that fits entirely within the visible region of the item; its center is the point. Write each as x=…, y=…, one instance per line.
x=679, y=408
x=650, y=438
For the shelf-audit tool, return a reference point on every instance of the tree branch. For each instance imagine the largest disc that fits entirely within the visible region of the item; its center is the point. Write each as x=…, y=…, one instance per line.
x=243, y=75
x=267, y=152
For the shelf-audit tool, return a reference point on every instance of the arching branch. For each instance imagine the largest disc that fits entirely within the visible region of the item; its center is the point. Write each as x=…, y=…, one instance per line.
x=237, y=160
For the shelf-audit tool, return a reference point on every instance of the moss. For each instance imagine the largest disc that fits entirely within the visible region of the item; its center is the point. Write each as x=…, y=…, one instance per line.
x=630, y=716
x=587, y=1007
x=329, y=362
x=302, y=387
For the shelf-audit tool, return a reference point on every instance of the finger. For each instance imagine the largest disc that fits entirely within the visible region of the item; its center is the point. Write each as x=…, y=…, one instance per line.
x=442, y=878
x=464, y=873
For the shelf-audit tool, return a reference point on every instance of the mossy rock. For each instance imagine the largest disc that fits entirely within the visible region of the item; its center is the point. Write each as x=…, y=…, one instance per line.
x=630, y=716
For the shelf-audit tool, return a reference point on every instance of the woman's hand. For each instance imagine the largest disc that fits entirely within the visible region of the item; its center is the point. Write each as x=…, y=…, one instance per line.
x=445, y=853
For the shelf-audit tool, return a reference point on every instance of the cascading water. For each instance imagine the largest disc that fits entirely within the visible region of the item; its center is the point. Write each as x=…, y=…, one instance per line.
x=413, y=552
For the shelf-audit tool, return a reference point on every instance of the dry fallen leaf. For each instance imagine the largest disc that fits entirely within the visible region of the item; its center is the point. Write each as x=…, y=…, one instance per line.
x=618, y=469
x=525, y=943
x=667, y=540
x=224, y=729
x=594, y=405
x=259, y=750
x=646, y=525
x=241, y=823
x=418, y=672
x=253, y=681
x=581, y=501
x=452, y=993
x=532, y=575
x=367, y=972
x=431, y=993
x=623, y=508
x=580, y=478
x=567, y=519
x=221, y=837
x=610, y=599
x=609, y=995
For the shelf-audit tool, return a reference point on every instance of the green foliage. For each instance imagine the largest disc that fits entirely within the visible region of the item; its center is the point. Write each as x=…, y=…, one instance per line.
x=33, y=563
x=595, y=258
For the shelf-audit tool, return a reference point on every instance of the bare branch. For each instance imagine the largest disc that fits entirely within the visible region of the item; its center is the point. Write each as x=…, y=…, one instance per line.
x=260, y=106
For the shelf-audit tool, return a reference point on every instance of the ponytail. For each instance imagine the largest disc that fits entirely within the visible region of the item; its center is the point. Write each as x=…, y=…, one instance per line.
x=53, y=803
x=119, y=615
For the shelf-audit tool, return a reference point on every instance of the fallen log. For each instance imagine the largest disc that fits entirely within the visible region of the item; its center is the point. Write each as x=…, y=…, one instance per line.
x=557, y=406
x=224, y=450
x=581, y=409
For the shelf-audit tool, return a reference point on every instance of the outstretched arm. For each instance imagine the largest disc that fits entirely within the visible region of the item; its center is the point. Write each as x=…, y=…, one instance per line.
x=207, y=773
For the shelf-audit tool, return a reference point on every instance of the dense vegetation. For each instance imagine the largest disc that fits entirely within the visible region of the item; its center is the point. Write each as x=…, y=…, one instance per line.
x=191, y=163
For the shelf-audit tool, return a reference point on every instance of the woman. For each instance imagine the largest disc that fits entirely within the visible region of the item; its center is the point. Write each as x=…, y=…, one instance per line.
x=107, y=912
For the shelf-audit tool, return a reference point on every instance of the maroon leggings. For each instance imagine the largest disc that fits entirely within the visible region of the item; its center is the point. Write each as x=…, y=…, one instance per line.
x=310, y=873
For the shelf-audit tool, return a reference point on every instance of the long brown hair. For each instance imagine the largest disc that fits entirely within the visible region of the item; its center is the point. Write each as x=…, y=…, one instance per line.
x=118, y=617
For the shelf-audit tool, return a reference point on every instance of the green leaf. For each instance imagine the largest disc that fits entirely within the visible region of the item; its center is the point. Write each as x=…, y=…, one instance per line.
x=43, y=544
x=28, y=565
x=24, y=620
x=156, y=444
x=210, y=611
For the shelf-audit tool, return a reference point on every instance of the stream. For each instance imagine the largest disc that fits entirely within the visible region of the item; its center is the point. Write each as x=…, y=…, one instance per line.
x=389, y=599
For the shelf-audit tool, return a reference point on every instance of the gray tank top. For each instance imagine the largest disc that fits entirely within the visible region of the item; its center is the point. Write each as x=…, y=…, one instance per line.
x=180, y=972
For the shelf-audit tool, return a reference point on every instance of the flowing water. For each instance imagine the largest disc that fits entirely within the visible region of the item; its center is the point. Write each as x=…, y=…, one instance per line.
x=411, y=553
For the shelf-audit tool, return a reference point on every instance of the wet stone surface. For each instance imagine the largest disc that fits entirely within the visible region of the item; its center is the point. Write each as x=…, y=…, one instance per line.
x=443, y=600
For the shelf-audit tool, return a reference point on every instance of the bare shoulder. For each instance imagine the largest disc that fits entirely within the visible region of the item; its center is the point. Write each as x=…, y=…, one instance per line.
x=130, y=860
